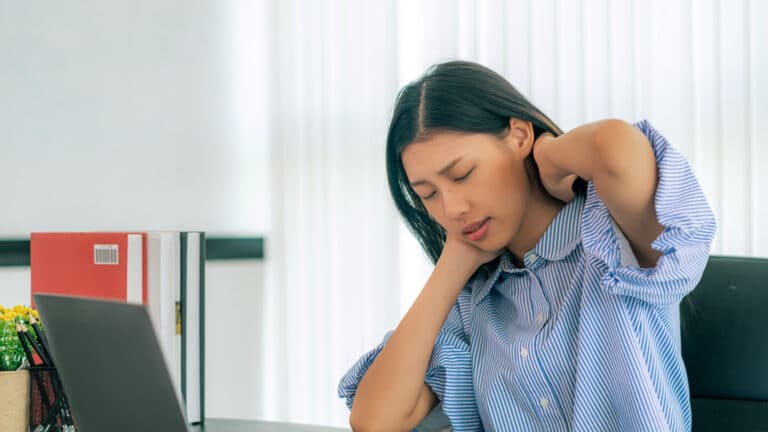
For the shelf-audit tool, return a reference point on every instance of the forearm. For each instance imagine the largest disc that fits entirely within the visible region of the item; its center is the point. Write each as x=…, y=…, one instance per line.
x=574, y=152
x=387, y=394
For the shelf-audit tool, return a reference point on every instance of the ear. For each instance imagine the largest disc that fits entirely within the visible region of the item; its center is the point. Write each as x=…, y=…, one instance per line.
x=520, y=137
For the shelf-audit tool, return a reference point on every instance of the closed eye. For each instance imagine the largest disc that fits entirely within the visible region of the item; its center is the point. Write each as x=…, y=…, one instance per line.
x=460, y=179
x=465, y=175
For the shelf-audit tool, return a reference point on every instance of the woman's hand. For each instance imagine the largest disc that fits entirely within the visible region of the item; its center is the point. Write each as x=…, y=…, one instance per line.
x=463, y=253
x=557, y=181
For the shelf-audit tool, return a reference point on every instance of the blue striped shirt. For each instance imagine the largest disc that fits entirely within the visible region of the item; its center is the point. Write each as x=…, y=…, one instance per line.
x=582, y=338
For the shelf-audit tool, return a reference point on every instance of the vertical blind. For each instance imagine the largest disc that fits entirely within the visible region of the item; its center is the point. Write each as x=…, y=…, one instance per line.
x=342, y=269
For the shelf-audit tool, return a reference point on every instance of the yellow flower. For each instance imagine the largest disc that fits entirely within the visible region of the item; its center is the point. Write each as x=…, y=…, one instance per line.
x=18, y=311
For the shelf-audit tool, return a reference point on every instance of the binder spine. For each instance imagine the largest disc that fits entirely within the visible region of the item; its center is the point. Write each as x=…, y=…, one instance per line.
x=183, y=296
x=202, y=326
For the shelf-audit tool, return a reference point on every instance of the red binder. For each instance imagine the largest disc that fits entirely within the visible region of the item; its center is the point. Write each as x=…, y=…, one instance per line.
x=103, y=265
x=165, y=271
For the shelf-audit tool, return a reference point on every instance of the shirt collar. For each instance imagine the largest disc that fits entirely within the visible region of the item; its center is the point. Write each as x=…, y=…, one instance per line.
x=559, y=239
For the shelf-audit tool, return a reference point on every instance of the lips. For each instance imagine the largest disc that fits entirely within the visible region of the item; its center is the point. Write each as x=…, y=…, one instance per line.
x=473, y=226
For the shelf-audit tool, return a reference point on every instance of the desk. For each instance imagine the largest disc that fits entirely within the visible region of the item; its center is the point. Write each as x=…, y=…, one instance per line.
x=221, y=425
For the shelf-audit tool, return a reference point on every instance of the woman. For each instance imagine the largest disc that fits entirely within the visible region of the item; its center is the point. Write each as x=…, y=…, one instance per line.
x=560, y=261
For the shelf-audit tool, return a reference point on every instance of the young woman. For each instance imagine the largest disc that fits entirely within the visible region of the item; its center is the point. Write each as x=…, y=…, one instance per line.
x=560, y=261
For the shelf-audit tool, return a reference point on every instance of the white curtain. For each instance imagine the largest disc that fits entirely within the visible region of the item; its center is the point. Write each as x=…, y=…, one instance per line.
x=341, y=268
x=330, y=73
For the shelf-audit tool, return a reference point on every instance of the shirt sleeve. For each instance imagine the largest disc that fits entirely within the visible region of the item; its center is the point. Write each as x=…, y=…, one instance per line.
x=449, y=374
x=689, y=227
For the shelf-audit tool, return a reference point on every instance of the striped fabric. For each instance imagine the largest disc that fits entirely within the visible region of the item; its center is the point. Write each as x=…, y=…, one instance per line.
x=580, y=339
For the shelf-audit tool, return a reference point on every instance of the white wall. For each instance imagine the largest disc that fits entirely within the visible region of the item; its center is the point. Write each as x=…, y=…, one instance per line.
x=14, y=286
x=120, y=115
x=234, y=308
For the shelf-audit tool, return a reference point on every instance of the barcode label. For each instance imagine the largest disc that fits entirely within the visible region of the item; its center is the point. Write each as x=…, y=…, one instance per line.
x=105, y=254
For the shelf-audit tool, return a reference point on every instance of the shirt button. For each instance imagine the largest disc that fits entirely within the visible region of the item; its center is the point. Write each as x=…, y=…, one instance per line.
x=524, y=353
x=540, y=318
x=533, y=257
x=544, y=402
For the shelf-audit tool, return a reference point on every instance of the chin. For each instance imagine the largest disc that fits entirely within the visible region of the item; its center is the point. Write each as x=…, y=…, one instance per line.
x=492, y=244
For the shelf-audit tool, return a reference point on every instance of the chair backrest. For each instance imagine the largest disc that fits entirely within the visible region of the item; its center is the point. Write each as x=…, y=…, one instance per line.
x=725, y=344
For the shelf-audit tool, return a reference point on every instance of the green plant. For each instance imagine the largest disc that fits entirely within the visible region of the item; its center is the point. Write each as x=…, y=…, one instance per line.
x=11, y=352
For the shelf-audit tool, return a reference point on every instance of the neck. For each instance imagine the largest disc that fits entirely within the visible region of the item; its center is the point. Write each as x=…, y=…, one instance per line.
x=541, y=210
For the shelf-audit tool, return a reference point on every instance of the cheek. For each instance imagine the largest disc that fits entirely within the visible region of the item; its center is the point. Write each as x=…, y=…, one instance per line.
x=436, y=213
x=508, y=181
x=433, y=212
x=510, y=191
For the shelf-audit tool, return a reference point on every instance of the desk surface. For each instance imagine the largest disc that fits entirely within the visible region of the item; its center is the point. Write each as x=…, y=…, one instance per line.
x=221, y=425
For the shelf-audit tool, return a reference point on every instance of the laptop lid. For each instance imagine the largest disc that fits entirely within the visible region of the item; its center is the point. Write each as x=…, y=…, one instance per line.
x=110, y=365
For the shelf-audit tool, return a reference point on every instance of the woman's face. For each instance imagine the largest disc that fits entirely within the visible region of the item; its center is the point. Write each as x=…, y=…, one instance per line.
x=464, y=179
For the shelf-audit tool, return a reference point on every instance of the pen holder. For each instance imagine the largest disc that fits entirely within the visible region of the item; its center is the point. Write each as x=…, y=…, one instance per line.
x=48, y=405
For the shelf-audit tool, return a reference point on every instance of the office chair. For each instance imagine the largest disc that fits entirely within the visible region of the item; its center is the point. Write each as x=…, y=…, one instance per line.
x=724, y=335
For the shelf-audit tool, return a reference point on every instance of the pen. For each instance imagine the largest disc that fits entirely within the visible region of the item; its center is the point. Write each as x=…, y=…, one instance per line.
x=24, y=346
x=40, y=334
x=43, y=355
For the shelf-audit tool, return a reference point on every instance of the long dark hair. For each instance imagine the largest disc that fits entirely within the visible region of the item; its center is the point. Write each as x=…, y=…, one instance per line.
x=455, y=96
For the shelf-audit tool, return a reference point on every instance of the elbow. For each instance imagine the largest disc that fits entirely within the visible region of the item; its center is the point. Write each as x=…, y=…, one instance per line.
x=365, y=423
x=357, y=423
x=619, y=148
x=373, y=427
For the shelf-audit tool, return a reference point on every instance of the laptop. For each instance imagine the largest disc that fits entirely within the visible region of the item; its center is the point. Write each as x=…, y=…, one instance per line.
x=111, y=365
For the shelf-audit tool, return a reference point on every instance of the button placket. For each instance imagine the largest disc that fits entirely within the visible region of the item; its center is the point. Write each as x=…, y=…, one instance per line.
x=540, y=314
x=540, y=301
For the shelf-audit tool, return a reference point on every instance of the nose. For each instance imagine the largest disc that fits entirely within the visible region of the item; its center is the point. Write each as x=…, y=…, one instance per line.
x=455, y=205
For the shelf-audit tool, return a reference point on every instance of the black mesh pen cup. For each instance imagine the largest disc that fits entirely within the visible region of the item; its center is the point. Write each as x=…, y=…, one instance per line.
x=48, y=406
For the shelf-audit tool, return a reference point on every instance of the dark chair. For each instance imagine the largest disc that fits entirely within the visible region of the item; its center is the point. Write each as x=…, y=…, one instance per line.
x=724, y=333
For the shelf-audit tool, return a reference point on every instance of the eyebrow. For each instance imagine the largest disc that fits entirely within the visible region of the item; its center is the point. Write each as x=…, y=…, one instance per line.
x=441, y=172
